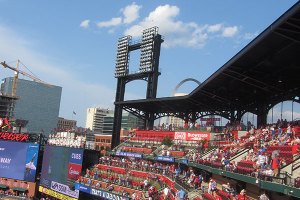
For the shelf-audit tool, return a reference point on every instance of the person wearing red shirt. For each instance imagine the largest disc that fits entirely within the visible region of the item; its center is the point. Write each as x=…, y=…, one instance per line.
x=216, y=196
x=275, y=164
x=242, y=195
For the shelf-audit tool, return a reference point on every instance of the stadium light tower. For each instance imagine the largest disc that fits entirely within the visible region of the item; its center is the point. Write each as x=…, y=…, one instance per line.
x=149, y=47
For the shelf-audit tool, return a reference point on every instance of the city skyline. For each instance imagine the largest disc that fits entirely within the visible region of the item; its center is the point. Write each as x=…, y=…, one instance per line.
x=73, y=44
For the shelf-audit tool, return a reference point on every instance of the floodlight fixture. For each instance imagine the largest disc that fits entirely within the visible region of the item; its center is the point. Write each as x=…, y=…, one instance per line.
x=121, y=68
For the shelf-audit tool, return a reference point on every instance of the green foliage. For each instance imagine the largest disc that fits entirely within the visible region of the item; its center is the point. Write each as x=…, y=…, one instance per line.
x=167, y=141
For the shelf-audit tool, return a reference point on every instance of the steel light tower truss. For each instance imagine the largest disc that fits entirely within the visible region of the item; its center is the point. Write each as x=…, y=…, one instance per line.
x=149, y=47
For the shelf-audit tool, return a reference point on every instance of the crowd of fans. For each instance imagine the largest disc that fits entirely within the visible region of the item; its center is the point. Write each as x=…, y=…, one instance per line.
x=122, y=171
x=66, y=140
x=256, y=146
x=6, y=193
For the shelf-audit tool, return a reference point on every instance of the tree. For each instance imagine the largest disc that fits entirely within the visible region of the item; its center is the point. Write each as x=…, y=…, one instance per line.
x=167, y=141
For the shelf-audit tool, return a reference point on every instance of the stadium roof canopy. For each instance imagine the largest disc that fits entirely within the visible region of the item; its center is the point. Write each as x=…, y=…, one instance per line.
x=265, y=72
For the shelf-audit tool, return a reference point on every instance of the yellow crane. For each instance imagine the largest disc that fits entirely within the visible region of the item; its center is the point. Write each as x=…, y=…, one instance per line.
x=16, y=76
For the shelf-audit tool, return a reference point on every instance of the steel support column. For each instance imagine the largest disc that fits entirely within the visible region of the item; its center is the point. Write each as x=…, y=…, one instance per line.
x=262, y=114
x=118, y=113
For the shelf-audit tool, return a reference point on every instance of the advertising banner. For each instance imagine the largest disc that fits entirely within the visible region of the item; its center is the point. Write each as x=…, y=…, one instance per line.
x=165, y=158
x=100, y=193
x=64, y=189
x=192, y=136
x=61, y=166
x=180, y=136
x=129, y=154
x=18, y=160
x=76, y=156
x=55, y=194
x=74, y=171
x=82, y=188
x=14, y=136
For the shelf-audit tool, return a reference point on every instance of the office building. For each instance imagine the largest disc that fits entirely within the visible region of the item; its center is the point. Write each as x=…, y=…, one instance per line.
x=175, y=121
x=95, y=118
x=66, y=124
x=129, y=121
x=38, y=104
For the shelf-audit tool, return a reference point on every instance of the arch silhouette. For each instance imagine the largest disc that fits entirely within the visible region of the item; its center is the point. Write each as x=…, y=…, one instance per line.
x=182, y=82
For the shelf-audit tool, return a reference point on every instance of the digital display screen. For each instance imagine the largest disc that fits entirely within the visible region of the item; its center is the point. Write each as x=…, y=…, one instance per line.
x=61, y=164
x=18, y=160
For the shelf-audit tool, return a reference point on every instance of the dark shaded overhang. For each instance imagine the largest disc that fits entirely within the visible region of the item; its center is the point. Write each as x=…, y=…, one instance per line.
x=266, y=71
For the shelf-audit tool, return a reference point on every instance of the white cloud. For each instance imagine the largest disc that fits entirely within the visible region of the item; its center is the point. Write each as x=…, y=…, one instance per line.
x=131, y=13
x=179, y=33
x=85, y=23
x=112, y=22
x=214, y=28
x=230, y=31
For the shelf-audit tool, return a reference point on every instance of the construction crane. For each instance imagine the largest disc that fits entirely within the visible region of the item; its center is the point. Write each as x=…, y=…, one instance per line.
x=16, y=76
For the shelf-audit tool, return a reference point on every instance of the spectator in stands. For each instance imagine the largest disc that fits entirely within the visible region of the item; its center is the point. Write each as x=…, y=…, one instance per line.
x=133, y=196
x=279, y=131
x=295, y=141
x=297, y=181
x=110, y=187
x=89, y=181
x=177, y=171
x=198, y=181
x=212, y=185
x=166, y=192
x=168, y=153
x=216, y=196
x=263, y=196
x=192, y=177
x=181, y=194
x=146, y=184
x=289, y=130
x=233, y=166
x=261, y=159
x=269, y=173
x=272, y=129
x=229, y=189
x=282, y=163
x=187, y=174
x=275, y=164
x=151, y=191
x=242, y=195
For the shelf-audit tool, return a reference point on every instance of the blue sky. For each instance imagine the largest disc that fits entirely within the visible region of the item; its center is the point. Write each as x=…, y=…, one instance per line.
x=73, y=43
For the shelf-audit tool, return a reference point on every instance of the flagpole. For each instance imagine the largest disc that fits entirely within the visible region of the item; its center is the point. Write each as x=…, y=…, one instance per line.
x=73, y=113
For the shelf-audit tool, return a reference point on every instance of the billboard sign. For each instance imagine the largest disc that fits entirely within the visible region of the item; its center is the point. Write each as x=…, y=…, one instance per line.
x=165, y=158
x=55, y=194
x=99, y=193
x=192, y=136
x=64, y=189
x=61, y=165
x=14, y=136
x=129, y=154
x=18, y=160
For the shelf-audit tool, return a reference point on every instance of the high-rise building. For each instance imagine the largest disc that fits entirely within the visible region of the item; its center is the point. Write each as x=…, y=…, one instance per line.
x=38, y=104
x=95, y=118
x=101, y=120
